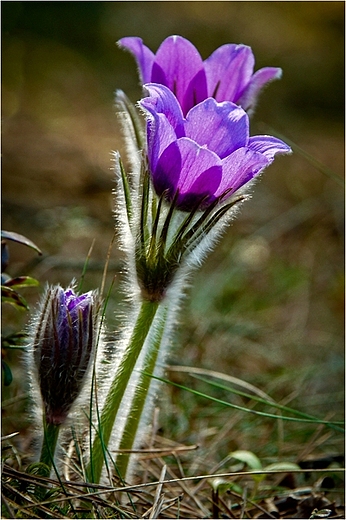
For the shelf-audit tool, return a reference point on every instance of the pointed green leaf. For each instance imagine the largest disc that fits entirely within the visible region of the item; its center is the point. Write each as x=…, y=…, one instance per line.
x=222, y=485
x=10, y=296
x=247, y=457
x=282, y=466
x=22, y=281
x=16, y=237
x=251, y=460
x=14, y=340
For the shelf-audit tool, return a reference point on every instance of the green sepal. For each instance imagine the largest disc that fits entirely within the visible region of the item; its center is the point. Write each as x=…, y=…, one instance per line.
x=124, y=104
x=144, y=231
x=126, y=189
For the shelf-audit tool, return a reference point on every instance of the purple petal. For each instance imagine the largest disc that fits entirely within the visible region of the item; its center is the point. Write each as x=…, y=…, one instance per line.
x=239, y=168
x=228, y=71
x=73, y=300
x=160, y=134
x=222, y=127
x=165, y=120
x=166, y=173
x=195, y=92
x=194, y=170
x=161, y=100
x=179, y=66
x=143, y=55
x=268, y=146
x=196, y=162
x=263, y=76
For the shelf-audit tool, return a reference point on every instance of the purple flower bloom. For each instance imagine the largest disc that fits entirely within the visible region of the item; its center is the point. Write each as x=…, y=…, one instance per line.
x=227, y=75
x=63, y=347
x=205, y=155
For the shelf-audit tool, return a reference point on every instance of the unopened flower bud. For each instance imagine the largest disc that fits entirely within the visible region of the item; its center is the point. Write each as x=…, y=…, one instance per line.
x=64, y=344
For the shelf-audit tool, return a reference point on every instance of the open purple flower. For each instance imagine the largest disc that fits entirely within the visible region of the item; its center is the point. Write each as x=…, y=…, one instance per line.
x=205, y=155
x=63, y=345
x=227, y=75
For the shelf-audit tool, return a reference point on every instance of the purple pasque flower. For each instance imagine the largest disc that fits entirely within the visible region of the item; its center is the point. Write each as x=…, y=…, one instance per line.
x=64, y=341
x=206, y=155
x=227, y=75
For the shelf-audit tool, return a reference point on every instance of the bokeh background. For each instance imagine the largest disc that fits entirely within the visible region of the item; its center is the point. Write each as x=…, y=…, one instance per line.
x=267, y=305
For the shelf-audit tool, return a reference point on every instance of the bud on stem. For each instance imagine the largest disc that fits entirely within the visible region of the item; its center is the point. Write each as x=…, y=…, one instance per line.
x=64, y=342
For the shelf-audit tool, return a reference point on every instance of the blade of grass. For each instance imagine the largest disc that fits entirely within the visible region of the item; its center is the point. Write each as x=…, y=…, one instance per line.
x=220, y=375
x=85, y=266
x=93, y=391
x=272, y=404
x=335, y=425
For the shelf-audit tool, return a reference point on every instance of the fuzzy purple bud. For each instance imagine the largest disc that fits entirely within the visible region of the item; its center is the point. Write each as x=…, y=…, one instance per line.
x=64, y=343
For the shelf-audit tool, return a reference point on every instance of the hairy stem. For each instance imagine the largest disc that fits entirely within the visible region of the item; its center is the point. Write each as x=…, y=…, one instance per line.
x=140, y=397
x=118, y=388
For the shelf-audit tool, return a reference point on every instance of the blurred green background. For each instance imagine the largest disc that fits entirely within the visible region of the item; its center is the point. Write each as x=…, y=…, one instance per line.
x=267, y=305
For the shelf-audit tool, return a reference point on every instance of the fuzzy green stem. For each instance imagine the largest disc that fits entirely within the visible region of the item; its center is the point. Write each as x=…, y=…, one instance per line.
x=138, y=402
x=118, y=387
x=50, y=439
